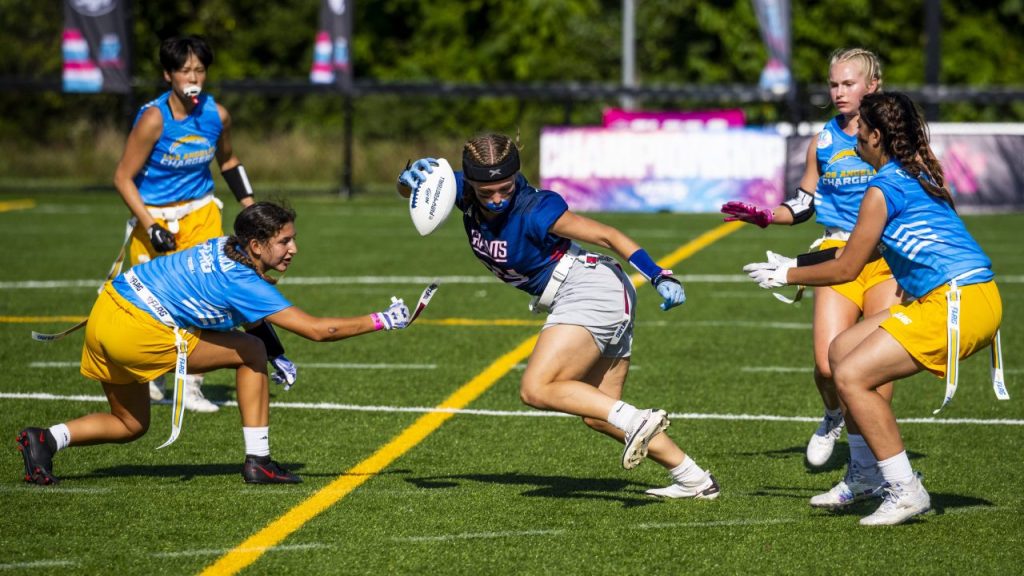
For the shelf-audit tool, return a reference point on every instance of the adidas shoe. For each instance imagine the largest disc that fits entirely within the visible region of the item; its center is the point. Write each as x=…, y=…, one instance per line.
x=37, y=448
x=263, y=470
x=821, y=444
x=706, y=489
x=645, y=425
x=902, y=502
x=855, y=486
x=193, y=396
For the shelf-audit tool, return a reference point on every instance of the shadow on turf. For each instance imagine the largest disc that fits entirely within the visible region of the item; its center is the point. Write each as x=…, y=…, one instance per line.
x=840, y=456
x=185, y=472
x=612, y=489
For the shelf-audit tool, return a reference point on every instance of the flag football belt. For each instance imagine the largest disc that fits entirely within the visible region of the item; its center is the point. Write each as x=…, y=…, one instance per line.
x=573, y=255
x=180, y=345
x=953, y=345
x=171, y=214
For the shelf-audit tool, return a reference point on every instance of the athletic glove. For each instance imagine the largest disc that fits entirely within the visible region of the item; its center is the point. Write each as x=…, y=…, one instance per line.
x=770, y=274
x=747, y=213
x=670, y=289
x=161, y=238
x=395, y=317
x=284, y=371
x=417, y=172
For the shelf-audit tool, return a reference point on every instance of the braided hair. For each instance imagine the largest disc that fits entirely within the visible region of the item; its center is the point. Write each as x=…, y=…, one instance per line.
x=260, y=222
x=489, y=149
x=905, y=139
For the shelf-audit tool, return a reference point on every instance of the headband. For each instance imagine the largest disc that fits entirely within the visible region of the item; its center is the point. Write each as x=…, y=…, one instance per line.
x=501, y=171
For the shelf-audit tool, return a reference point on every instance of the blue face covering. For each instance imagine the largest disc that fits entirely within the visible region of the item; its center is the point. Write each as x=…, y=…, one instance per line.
x=497, y=207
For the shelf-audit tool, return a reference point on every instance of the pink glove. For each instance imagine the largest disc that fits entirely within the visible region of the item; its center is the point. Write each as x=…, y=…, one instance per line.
x=747, y=213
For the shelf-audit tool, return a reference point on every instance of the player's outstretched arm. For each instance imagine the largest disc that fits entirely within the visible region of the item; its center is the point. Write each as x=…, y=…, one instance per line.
x=329, y=329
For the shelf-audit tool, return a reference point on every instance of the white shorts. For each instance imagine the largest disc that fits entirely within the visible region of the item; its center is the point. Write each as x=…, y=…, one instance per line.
x=601, y=299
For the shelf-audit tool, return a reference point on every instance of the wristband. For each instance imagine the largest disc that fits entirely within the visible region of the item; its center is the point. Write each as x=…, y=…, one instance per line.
x=642, y=261
x=238, y=182
x=812, y=258
x=801, y=206
x=378, y=323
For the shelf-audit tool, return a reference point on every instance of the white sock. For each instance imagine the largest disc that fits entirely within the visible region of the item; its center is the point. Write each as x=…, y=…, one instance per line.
x=62, y=435
x=860, y=454
x=896, y=469
x=688, y=472
x=834, y=414
x=621, y=415
x=257, y=440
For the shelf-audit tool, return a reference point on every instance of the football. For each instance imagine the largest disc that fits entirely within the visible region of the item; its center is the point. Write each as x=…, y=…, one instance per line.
x=432, y=201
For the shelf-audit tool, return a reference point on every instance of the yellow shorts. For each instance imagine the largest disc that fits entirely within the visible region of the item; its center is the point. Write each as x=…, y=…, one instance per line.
x=873, y=274
x=195, y=228
x=920, y=326
x=125, y=345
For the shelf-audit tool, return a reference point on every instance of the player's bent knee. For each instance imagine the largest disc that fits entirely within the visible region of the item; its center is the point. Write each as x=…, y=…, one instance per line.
x=253, y=352
x=532, y=394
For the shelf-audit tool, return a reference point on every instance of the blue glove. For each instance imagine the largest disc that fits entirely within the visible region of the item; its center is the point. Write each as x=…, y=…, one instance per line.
x=284, y=371
x=417, y=172
x=670, y=289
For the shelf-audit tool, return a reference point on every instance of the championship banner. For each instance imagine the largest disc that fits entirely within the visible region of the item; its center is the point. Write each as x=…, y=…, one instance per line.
x=651, y=120
x=773, y=18
x=95, y=46
x=330, y=54
x=599, y=169
x=981, y=163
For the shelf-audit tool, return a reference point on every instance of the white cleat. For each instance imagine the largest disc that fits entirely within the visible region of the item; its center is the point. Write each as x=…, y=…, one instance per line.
x=194, y=400
x=901, y=503
x=645, y=425
x=821, y=444
x=706, y=489
x=155, y=393
x=857, y=485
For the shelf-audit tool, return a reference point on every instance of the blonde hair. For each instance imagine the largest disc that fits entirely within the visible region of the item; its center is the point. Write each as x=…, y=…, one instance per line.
x=869, y=63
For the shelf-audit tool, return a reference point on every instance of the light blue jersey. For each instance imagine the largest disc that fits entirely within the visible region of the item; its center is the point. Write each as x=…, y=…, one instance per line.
x=925, y=243
x=517, y=245
x=204, y=288
x=844, y=177
x=178, y=169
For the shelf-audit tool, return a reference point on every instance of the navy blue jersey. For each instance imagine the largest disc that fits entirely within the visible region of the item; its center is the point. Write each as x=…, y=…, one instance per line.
x=517, y=245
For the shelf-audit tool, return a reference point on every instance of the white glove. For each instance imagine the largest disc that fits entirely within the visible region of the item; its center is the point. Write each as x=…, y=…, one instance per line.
x=284, y=371
x=770, y=274
x=395, y=317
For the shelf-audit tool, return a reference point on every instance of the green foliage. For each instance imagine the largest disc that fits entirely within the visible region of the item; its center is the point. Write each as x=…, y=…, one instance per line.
x=494, y=41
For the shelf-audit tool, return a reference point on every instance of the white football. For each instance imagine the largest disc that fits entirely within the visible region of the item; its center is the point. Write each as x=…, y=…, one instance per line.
x=432, y=201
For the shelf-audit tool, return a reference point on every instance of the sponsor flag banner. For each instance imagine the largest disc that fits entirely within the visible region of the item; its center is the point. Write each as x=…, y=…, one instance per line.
x=773, y=19
x=671, y=120
x=331, y=63
x=598, y=169
x=95, y=46
x=981, y=163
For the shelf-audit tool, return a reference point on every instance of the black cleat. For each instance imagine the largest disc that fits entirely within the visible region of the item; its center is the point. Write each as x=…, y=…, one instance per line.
x=37, y=448
x=263, y=470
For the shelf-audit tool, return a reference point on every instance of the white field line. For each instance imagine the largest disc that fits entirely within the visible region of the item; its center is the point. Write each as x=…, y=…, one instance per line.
x=38, y=564
x=218, y=552
x=478, y=535
x=337, y=366
x=517, y=413
x=357, y=280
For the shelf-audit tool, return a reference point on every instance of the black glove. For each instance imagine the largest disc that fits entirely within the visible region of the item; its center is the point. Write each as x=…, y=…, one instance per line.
x=162, y=239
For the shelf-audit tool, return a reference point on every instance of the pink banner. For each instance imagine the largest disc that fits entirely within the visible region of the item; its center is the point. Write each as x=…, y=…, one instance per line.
x=670, y=120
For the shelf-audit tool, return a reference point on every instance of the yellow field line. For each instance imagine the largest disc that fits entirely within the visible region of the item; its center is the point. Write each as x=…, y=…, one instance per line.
x=252, y=548
x=249, y=551
x=12, y=205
